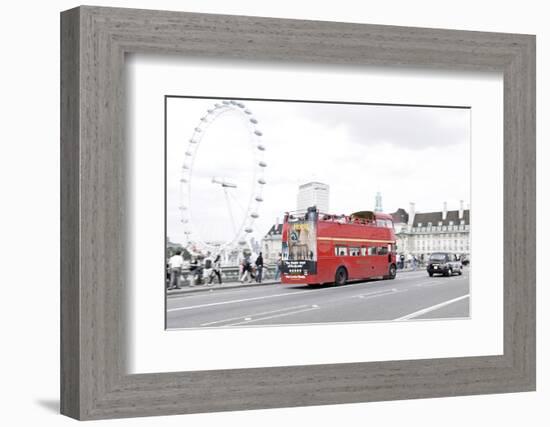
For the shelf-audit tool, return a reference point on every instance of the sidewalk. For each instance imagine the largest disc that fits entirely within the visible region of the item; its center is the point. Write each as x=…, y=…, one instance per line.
x=186, y=289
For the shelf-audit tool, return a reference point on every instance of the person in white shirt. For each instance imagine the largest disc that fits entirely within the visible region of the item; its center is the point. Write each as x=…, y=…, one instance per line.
x=175, y=263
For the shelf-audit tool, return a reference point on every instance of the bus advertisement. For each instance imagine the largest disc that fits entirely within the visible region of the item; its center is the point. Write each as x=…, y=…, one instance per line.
x=300, y=246
x=320, y=248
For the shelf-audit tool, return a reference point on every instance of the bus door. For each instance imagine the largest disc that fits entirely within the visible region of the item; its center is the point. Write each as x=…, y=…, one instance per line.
x=378, y=257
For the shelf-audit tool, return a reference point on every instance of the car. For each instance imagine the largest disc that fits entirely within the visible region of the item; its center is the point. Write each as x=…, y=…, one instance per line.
x=445, y=263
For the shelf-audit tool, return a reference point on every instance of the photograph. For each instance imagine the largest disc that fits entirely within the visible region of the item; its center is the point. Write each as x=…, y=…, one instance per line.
x=297, y=212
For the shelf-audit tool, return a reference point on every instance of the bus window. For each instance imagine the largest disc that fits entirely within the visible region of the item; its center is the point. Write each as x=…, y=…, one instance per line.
x=382, y=250
x=363, y=251
x=354, y=251
x=372, y=250
x=340, y=250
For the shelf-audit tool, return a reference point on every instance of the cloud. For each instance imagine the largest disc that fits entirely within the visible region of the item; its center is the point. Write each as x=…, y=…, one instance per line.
x=409, y=127
x=407, y=153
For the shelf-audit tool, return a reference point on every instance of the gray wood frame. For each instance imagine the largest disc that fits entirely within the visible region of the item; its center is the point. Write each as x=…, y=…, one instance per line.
x=94, y=383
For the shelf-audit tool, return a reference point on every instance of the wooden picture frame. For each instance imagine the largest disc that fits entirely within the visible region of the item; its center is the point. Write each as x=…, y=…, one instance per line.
x=94, y=382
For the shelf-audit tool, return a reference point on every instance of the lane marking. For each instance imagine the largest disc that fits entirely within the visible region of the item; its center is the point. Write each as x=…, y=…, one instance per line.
x=249, y=316
x=213, y=292
x=289, y=293
x=432, y=308
x=235, y=301
x=275, y=315
x=380, y=293
x=400, y=278
x=431, y=283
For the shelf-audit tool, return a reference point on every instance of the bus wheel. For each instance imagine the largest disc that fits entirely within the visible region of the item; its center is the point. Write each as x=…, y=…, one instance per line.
x=341, y=276
x=391, y=273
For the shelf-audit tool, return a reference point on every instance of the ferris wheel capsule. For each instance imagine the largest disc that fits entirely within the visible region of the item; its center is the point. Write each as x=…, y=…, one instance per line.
x=262, y=164
x=259, y=199
x=248, y=230
x=261, y=181
x=254, y=215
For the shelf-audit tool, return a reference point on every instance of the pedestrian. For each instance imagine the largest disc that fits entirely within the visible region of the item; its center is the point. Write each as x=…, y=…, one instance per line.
x=259, y=268
x=208, y=270
x=195, y=269
x=402, y=259
x=278, y=266
x=217, y=269
x=246, y=270
x=175, y=264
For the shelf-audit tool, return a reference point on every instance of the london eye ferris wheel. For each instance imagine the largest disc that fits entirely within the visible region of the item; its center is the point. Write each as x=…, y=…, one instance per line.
x=220, y=202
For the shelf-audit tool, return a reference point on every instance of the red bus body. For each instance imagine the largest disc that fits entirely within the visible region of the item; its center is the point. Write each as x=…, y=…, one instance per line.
x=317, y=246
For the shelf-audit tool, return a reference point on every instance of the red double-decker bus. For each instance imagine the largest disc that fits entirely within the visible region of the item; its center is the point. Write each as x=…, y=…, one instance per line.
x=319, y=248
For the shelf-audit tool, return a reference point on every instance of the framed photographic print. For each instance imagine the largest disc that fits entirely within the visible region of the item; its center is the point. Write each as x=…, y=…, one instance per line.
x=296, y=212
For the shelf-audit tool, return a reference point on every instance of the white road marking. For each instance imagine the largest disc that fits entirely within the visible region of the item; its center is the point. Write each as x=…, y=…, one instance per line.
x=378, y=293
x=431, y=283
x=275, y=315
x=229, y=291
x=248, y=317
x=432, y=308
x=290, y=293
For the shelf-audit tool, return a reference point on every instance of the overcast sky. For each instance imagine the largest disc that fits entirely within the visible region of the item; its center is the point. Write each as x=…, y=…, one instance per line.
x=409, y=154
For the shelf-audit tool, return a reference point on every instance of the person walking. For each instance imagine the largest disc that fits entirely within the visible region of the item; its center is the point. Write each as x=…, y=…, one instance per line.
x=175, y=263
x=278, y=266
x=259, y=268
x=247, y=270
x=195, y=269
x=208, y=270
x=217, y=269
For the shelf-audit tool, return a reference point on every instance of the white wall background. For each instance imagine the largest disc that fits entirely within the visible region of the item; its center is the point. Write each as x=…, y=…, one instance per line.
x=29, y=212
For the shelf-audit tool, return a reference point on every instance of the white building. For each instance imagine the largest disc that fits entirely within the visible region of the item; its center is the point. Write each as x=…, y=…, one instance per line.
x=313, y=194
x=422, y=233
x=272, y=243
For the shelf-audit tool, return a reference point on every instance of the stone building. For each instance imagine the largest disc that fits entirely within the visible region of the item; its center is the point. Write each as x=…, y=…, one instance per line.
x=422, y=233
x=272, y=243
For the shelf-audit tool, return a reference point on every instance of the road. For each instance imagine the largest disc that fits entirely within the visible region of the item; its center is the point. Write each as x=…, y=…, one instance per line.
x=410, y=296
